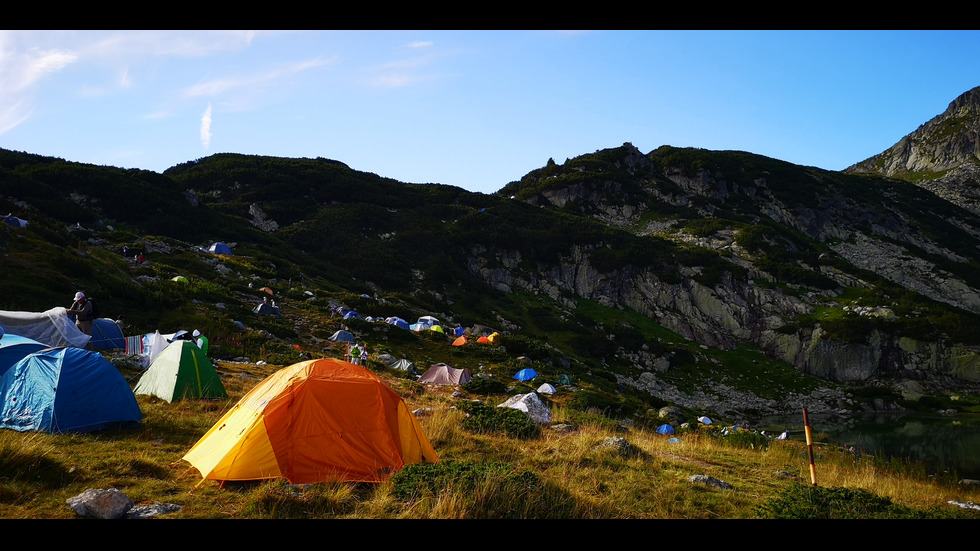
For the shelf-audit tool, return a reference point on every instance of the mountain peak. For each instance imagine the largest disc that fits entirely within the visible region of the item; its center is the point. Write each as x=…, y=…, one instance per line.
x=948, y=142
x=967, y=100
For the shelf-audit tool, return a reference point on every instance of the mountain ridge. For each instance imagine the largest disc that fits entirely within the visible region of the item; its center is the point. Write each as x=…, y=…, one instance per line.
x=646, y=269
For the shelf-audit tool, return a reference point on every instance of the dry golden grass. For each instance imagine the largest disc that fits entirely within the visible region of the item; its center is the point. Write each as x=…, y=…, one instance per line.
x=576, y=477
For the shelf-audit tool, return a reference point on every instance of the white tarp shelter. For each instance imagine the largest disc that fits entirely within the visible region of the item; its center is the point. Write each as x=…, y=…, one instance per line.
x=52, y=327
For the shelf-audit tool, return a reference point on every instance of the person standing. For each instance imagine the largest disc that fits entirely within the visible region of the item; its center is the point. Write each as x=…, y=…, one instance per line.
x=201, y=341
x=82, y=310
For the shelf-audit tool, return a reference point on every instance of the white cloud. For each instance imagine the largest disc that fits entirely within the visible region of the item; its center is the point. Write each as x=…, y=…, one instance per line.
x=13, y=115
x=21, y=72
x=223, y=85
x=402, y=72
x=28, y=59
x=206, y=127
x=421, y=44
x=41, y=63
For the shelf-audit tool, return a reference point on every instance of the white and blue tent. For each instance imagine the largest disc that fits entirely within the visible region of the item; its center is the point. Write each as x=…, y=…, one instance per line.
x=397, y=322
x=219, y=248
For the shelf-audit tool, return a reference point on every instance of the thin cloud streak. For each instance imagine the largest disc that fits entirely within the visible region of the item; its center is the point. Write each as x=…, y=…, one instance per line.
x=206, y=128
x=220, y=86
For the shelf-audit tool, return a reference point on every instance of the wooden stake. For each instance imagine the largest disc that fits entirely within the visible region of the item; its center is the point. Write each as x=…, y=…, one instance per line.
x=809, y=448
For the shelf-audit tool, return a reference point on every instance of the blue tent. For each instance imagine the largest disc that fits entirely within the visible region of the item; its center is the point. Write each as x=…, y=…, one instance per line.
x=65, y=390
x=12, y=220
x=665, y=429
x=352, y=314
x=219, y=248
x=525, y=375
x=13, y=348
x=106, y=335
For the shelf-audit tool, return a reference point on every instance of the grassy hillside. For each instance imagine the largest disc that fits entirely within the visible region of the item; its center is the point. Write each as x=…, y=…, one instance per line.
x=383, y=248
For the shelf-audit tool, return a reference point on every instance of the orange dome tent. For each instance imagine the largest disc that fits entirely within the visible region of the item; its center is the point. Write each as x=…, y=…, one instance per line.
x=460, y=341
x=316, y=421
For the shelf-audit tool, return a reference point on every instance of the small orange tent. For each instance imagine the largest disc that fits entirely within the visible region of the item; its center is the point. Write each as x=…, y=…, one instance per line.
x=483, y=339
x=460, y=341
x=315, y=421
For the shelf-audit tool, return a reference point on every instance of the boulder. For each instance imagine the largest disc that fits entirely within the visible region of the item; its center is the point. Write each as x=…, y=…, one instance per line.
x=530, y=404
x=100, y=503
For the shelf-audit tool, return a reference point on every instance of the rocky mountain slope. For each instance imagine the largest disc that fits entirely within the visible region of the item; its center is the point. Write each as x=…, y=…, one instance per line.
x=821, y=266
x=719, y=281
x=942, y=155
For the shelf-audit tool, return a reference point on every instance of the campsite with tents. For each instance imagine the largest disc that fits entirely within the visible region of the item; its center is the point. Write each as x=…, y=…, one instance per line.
x=474, y=389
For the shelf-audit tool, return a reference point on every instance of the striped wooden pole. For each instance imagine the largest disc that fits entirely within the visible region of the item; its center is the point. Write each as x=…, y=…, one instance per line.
x=809, y=448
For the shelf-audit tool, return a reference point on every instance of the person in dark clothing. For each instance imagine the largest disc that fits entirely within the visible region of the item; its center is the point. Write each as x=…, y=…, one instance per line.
x=82, y=310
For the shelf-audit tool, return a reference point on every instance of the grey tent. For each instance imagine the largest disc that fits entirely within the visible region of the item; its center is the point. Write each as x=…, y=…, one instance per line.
x=342, y=336
x=442, y=374
x=403, y=365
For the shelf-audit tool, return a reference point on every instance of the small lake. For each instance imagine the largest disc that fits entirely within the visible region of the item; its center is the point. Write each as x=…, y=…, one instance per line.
x=941, y=442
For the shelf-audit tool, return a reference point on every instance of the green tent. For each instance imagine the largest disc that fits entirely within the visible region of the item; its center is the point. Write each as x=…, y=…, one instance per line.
x=181, y=371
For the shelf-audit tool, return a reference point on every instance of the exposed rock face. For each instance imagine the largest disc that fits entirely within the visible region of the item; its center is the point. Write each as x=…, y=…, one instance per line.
x=898, y=265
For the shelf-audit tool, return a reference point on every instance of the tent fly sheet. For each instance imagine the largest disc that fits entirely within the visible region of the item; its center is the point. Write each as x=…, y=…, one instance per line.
x=52, y=327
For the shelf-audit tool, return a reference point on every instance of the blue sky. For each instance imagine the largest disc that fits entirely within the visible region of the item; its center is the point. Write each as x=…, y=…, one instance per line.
x=474, y=109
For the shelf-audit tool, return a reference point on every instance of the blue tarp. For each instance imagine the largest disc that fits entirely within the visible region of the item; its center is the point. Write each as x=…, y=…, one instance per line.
x=525, y=375
x=106, y=335
x=65, y=390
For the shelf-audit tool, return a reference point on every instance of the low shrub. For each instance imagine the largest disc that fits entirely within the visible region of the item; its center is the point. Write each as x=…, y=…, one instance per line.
x=484, y=386
x=800, y=501
x=483, y=418
x=422, y=478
